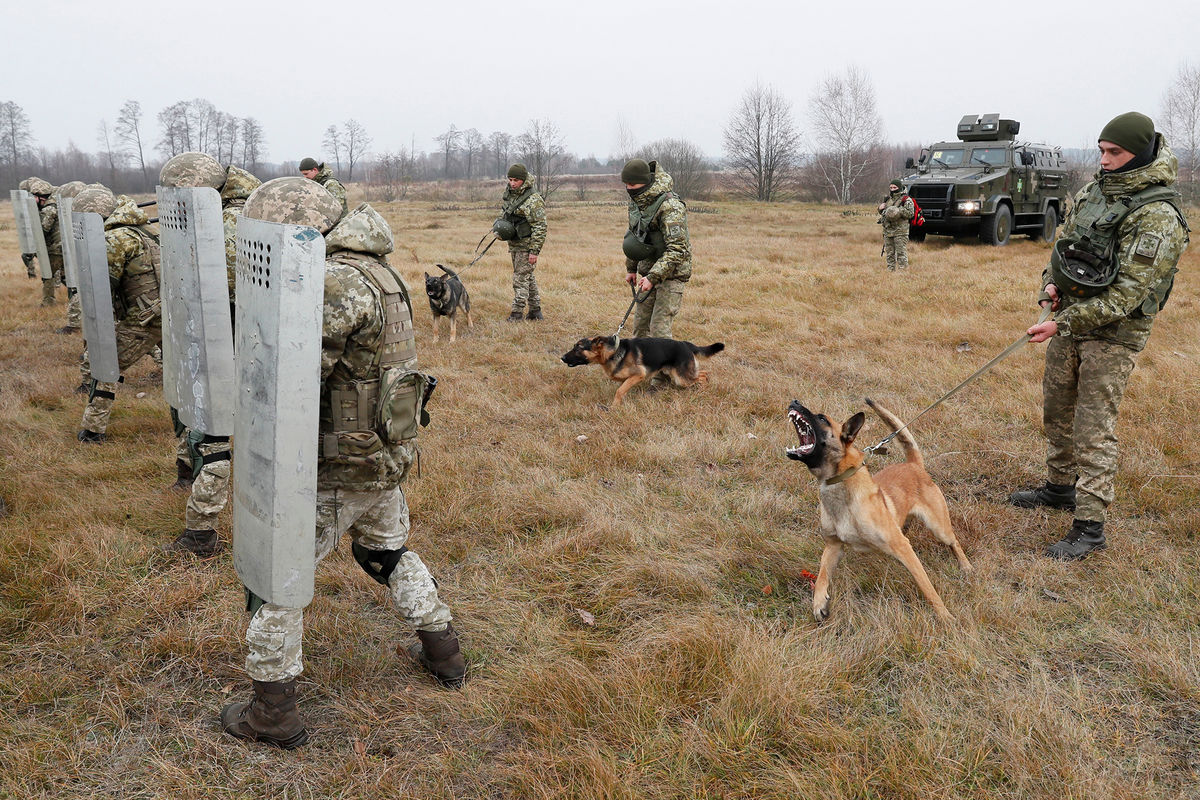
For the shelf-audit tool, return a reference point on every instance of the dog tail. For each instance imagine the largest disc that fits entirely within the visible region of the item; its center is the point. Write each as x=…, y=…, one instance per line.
x=708, y=352
x=912, y=453
x=448, y=271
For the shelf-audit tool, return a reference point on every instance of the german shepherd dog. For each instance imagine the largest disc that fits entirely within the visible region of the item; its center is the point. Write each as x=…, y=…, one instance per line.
x=446, y=296
x=632, y=361
x=868, y=512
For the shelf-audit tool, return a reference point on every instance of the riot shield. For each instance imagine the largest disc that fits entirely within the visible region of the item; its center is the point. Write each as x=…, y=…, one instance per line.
x=198, y=378
x=280, y=291
x=70, y=266
x=21, y=215
x=95, y=296
x=39, y=237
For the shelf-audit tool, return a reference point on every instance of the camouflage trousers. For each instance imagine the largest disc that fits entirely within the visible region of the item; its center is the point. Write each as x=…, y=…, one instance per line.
x=525, y=288
x=210, y=489
x=53, y=282
x=895, y=247
x=74, y=309
x=133, y=342
x=377, y=520
x=654, y=315
x=30, y=269
x=1082, y=388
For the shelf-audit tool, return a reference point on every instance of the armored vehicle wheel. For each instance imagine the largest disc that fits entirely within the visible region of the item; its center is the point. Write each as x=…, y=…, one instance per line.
x=1049, y=227
x=916, y=234
x=997, y=227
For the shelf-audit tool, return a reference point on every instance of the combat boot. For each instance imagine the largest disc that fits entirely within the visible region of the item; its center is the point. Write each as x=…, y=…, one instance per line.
x=185, y=476
x=270, y=717
x=516, y=316
x=1051, y=495
x=67, y=330
x=1085, y=536
x=202, y=544
x=439, y=653
x=535, y=314
x=90, y=437
x=83, y=389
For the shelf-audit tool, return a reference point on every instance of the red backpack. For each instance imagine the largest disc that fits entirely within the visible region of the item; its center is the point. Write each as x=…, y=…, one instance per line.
x=918, y=217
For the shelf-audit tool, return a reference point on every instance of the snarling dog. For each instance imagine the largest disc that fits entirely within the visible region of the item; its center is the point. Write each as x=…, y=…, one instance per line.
x=446, y=296
x=632, y=361
x=865, y=512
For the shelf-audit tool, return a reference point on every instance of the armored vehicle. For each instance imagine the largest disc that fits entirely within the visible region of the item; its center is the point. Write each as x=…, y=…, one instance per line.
x=989, y=184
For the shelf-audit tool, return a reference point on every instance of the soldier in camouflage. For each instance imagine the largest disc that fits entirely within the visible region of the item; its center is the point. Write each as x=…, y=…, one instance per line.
x=1097, y=331
x=367, y=332
x=525, y=210
x=48, y=208
x=895, y=212
x=323, y=175
x=133, y=271
x=28, y=258
x=74, y=312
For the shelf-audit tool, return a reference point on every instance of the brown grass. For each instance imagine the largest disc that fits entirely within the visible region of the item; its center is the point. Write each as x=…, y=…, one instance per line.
x=703, y=674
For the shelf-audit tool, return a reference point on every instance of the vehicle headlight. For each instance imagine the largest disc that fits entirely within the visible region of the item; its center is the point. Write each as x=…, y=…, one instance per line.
x=968, y=207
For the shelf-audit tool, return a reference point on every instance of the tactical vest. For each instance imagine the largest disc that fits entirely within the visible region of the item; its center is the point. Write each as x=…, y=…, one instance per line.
x=1085, y=261
x=355, y=406
x=139, y=290
x=517, y=226
x=644, y=241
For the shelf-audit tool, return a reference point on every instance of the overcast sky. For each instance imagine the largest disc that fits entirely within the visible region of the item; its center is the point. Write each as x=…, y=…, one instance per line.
x=672, y=68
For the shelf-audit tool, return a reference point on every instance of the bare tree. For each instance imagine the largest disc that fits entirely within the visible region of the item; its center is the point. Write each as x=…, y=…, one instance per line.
x=762, y=144
x=846, y=128
x=128, y=129
x=684, y=161
x=543, y=151
x=357, y=144
x=113, y=157
x=16, y=138
x=253, y=144
x=472, y=148
x=176, y=132
x=449, y=143
x=333, y=144
x=500, y=143
x=1181, y=125
x=627, y=146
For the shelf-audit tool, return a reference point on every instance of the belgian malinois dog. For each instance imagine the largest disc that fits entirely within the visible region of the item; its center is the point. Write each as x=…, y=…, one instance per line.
x=632, y=361
x=446, y=296
x=866, y=512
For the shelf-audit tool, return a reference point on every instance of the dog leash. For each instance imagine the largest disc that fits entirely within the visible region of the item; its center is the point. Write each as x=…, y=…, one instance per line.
x=1005, y=353
x=628, y=311
x=479, y=255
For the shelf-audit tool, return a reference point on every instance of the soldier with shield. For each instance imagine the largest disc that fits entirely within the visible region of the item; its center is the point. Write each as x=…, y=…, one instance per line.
x=66, y=195
x=369, y=400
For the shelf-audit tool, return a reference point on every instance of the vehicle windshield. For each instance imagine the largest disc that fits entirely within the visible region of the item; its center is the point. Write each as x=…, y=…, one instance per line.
x=947, y=158
x=996, y=156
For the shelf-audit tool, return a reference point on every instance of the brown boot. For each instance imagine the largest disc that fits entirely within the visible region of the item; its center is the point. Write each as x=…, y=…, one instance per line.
x=184, y=470
x=270, y=717
x=202, y=544
x=438, y=652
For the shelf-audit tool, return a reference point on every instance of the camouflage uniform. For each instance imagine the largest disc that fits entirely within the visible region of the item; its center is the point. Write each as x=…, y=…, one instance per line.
x=527, y=203
x=355, y=495
x=897, y=210
x=333, y=185
x=53, y=233
x=654, y=315
x=133, y=266
x=1089, y=361
x=27, y=258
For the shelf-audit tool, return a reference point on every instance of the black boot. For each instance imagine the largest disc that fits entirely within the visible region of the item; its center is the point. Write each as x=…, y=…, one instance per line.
x=270, y=717
x=1085, y=536
x=516, y=316
x=535, y=314
x=439, y=653
x=184, y=470
x=90, y=437
x=66, y=330
x=1051, y=495
x=202, y=544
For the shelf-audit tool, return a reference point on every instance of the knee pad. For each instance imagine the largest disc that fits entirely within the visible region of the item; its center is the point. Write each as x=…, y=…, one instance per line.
x=379, y=564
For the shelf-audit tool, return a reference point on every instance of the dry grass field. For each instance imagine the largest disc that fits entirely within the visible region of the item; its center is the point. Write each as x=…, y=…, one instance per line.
x=634, y=604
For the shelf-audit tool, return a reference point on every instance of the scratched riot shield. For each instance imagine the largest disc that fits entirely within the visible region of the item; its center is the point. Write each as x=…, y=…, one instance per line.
x=280, y=291
x=95, y=296
x=70, y=265
x=198, y=376
x=39, y=237
x=21, y=215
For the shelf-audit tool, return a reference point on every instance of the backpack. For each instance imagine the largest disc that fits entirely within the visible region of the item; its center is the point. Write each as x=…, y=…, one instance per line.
x=918, y=216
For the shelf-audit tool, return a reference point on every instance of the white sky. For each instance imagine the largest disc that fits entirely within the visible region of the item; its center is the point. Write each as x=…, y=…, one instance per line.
x=669, y=68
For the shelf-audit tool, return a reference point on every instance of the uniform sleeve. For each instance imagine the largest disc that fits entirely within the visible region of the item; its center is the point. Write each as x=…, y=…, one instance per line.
x=121, y=246
x=337, y=190
x=1150, y=243
x=535, y=212
x=49, y=217
x=907, y=209
x=673, y=219
x=347, y=309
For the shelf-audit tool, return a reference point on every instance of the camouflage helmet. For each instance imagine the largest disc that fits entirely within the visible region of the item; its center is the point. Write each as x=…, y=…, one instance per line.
x=24, y=185
x=71, y=189
x=192, y=169
x=362, y=230
x=239, y=184
x=39, y=187
x=295, y=201
x=96, y=199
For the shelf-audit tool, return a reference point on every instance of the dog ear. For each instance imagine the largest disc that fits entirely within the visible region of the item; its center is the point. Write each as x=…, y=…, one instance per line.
x=852, y=427
x=426, y=274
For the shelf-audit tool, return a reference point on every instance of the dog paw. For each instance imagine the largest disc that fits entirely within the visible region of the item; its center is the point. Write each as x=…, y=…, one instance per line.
x=821, y=614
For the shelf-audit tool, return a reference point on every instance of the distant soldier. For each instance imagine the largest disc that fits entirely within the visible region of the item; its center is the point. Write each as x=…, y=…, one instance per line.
x=48, y=206
x=895, y=212
x=367, y=335
x=28, y=258
x=323, y=175
x=1109, y=275
x=522, y=224
x=74, y=313
x=133, y=270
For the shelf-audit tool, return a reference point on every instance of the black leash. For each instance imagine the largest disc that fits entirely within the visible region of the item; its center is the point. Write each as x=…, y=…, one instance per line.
x=628, y=311
x=479, y=255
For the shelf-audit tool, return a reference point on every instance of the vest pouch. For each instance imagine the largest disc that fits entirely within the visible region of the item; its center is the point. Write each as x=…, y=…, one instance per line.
x=361, y=448
x=402, y=397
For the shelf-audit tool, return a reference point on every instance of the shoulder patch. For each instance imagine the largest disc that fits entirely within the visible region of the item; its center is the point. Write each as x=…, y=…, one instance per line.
x=1146, y=248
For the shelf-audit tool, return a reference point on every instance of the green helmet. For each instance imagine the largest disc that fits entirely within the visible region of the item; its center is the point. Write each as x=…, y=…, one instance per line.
x=650, y=249
x=295, y=201
x=96, y=199
x=192, y=169
x=1080, y=272
x=505, y=231
x=71, y=189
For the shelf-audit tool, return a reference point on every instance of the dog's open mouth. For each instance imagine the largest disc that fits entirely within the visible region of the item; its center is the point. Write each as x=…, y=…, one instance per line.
x=804, y=432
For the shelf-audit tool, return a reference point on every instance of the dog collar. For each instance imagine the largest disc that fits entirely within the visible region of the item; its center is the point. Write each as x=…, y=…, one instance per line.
x=841, y=476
